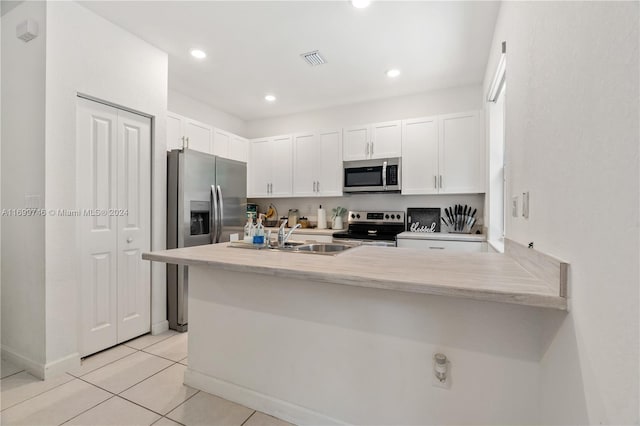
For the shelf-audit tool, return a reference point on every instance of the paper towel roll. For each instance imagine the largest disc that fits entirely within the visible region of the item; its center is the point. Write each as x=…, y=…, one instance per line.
x=322, y=218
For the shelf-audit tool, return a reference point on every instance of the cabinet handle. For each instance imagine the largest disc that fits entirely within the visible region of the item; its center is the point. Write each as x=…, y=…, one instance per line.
x=187, y=141
x=183, y=142
x=267, y=188
x=372, y=148
x=436, y=248
x=366, y=149
x=440, y=181
x=318, y=186
x=271, y=188
x=435, y=181
x=314, y=186
x=130, y=239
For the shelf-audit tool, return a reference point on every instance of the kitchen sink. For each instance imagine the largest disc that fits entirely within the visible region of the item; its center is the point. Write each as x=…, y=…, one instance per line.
x=330, y=249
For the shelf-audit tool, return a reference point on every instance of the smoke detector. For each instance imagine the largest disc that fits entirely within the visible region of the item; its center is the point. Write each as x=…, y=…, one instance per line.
x=313, y=58
x=27, y=30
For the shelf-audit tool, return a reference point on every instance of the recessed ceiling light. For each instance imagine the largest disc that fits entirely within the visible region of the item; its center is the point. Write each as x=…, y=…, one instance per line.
x=393, y=73
x=198, y=54
x=270, y=98
x=360, y=4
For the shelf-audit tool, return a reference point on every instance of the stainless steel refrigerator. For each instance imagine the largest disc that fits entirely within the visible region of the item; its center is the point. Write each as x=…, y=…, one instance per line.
x=206, y=203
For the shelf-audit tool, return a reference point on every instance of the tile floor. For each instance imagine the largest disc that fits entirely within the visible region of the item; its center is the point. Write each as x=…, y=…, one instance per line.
x=136, y=383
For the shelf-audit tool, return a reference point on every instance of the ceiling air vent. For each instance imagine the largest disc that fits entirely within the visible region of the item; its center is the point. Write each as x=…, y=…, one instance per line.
x=313, y=58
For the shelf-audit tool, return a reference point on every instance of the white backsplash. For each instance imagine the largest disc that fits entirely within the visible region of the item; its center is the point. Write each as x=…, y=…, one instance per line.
x=308, y=206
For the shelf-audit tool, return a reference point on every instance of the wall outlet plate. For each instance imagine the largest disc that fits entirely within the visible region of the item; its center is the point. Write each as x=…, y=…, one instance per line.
x=446, y=384
x=514, y=206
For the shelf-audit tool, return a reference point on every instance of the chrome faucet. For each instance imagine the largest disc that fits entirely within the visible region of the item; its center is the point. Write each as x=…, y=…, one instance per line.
x=282, y=236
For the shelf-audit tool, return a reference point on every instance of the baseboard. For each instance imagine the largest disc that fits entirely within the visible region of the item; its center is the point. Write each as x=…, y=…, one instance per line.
x=34, y=368
x=62, y=365
x=257, y=401
x=160, y=327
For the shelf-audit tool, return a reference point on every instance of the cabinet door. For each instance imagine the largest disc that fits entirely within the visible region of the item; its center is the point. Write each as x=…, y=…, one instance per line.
x=386, y=140
x=259, y=170
x=420, y=156
x=221, y=142
x=305, y=164
x=281, y=170
x=329, y=175
x=199, y=136
x=439, y=245
x=239, y=149
x=175, y=131
x=356, y=142
x=462, y=154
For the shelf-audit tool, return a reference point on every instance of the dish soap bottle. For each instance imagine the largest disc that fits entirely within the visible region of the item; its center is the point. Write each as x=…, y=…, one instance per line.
x=248, y=229
x=258, y=236
x=322, y=218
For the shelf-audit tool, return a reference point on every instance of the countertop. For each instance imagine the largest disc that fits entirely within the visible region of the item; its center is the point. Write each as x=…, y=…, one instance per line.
x=481, y=276
x=443, y=236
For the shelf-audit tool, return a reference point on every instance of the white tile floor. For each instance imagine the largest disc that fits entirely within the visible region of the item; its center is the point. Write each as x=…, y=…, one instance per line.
x=136, y=383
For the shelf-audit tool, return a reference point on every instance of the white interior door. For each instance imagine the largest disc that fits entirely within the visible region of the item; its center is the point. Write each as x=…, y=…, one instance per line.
x=97, y=190
x=113, y=194
x=134, y=199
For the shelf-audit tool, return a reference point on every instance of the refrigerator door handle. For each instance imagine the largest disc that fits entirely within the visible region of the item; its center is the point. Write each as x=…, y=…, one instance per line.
x=220, y=213
x=213, y=215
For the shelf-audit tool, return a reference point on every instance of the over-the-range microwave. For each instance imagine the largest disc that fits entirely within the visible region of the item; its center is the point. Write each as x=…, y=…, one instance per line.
x=372, y=175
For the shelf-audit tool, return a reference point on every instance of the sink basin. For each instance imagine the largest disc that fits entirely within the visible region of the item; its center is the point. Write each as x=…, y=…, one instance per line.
x=323, y=248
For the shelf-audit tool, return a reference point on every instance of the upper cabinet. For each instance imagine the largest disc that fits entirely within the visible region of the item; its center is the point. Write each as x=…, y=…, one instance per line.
x=270, y=167
x=228, y=145
x=370, y=141
x=443, y=154
x=317, y=163
x=183, y=132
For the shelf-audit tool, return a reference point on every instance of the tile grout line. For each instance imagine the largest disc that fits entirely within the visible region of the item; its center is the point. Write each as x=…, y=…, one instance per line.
x=145, y=347
x=247, y=419
x=182, y=403
x=13, y=374
x=90, y=408
x=163, y=357
x=102, y=366
x=38, y=394
x=136, y=384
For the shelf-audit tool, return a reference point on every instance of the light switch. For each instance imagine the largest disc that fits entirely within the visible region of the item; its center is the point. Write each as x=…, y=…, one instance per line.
x=514, y=206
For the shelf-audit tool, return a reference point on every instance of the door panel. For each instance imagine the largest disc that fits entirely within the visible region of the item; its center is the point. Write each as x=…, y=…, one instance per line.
x=133, y=213
x=462, y=154
x=330, y=173
x=260, y=168
x=281, y=172
x=97, y=235
x=221, y=142
x=305, y=164
x=200, y=136
x=386, y=140
x=356, y=143
x=420, y=156
x=175, y=132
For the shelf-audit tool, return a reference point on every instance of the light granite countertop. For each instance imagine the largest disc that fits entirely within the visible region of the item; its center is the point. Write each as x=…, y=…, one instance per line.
x=481, y=276
x=312, y=231
x=443, y=236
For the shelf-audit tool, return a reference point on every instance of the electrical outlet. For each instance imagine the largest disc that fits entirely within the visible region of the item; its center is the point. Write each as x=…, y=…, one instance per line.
x=525, y=205
x=514, y=206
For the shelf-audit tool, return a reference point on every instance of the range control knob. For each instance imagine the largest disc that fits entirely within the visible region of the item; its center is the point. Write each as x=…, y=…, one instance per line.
x=358, y=216
x=386, y=216
x=353, y=216
x=393, y=216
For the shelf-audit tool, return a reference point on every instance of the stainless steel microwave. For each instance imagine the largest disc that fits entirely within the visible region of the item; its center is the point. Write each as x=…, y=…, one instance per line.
x=372, y=175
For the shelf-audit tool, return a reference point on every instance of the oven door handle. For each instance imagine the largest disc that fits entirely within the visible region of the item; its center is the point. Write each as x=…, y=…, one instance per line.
x=384, y=175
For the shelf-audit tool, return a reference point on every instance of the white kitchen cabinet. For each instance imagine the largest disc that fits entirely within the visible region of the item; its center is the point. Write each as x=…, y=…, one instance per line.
x=443, y=245
x=228, y=145
x=270, y=167
x=443, y=155
x=183, y=132
x=462, y=154
x=301, y=236
x=317, y=163
x=420, y=156
x=239, y=148
x=370, y=141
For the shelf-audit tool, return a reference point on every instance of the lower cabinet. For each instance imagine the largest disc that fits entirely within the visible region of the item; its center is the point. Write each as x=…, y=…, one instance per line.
x=428, y=244
x=298, y=236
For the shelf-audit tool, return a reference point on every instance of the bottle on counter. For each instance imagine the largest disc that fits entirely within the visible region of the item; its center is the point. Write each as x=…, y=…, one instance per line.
x=248, y=229
x=258, y=236
x=322, y=218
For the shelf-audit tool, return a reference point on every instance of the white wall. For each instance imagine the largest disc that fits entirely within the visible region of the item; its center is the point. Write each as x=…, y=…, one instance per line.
x=423, y=104
x=192, y=108
x=23, y=136
x=87, y=54
x=572, y=141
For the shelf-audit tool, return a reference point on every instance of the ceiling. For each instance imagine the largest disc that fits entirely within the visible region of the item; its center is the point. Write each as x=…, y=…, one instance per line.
x=254, y=48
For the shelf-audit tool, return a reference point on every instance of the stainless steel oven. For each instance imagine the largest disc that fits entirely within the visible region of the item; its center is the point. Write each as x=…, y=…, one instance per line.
x=372, y=228
x=372, y=175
